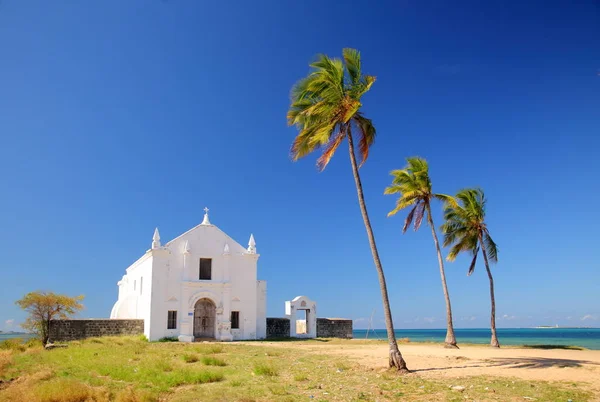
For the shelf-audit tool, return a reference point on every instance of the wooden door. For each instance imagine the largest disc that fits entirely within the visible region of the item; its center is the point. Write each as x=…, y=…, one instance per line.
x=204, y=319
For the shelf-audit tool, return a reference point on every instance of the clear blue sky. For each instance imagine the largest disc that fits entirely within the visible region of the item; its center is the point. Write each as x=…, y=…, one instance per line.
x=120, y=116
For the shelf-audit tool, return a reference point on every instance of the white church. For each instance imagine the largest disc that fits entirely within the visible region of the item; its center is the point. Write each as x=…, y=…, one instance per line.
x=200, y=285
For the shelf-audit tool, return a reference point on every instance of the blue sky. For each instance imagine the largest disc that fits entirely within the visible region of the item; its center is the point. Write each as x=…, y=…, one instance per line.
x=117, y=117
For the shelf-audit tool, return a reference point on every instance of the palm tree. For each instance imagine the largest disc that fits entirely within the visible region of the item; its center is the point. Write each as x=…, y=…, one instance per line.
x=325, y=107
x=465, y=230
x=414, y=186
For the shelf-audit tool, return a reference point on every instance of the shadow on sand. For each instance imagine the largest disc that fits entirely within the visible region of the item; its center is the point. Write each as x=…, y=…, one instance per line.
x=519, y=363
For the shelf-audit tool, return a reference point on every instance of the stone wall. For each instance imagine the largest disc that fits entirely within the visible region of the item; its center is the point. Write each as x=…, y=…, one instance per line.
x=68, y=330
x=334, y=328
x=326, y=328
x=278, y=327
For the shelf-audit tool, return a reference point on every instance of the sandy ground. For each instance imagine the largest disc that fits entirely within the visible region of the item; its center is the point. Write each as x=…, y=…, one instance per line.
x=435, y=361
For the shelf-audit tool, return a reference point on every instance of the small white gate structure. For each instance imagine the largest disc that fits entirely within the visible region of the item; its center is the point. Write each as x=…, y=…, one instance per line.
x=310, y=326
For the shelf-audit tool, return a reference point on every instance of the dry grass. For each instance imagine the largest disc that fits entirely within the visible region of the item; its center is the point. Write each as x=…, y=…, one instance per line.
x=6, y=358
x=129, y=369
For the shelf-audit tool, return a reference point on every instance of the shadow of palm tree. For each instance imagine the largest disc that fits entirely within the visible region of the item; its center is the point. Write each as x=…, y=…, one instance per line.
x=517, y=363
x=537, y=362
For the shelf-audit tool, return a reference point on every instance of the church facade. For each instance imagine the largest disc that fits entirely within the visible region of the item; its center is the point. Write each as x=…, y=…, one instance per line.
x=200, y=285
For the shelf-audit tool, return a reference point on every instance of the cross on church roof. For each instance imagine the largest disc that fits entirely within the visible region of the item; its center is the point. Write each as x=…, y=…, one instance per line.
x=205, y=221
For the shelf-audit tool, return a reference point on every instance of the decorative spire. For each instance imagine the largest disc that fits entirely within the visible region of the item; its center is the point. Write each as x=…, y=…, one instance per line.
x=251, y=245
x=156, y=239
x=226, y=249
x=186, y=247
x=205, y=221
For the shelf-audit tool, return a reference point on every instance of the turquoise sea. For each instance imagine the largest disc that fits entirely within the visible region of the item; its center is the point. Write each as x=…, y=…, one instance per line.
x=585, y=337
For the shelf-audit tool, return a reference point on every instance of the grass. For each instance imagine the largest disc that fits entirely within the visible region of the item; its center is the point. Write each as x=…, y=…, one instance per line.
x=213, y=361
x=190, y=357
x=265, y=369
x=130, y=369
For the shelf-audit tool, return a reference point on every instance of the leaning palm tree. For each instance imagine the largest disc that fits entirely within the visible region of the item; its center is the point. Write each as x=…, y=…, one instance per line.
x=325, y=107
x=414, y=186
x=465, y=230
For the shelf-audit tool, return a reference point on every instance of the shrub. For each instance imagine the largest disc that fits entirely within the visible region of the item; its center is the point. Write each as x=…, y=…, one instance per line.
x=131, y=395
x=169, y=339
x=143, y=338
x=214, y=349
x=33, y=343
x=15, y=344
x=213, y=361
x=300, y=377
x=6, y=359
x=190, y=358
x=65, y=390
x=265, y=369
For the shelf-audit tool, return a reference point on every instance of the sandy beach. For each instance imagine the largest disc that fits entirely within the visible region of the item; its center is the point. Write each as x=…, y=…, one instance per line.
x=435, y=361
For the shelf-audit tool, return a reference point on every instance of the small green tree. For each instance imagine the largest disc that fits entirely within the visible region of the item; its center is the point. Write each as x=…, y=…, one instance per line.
x=45, y=306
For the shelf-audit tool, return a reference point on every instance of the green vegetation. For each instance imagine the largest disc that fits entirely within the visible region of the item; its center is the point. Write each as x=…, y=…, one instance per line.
x=414, y=186
x=465, y=230
x=43, y=307
x=127, y=369
x=168, y=339
x=213, y=361
x=326, y=109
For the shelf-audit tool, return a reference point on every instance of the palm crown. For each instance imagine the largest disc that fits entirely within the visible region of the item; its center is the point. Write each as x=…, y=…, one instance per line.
x=465, y=228
x=414, y=186
x=325, y=106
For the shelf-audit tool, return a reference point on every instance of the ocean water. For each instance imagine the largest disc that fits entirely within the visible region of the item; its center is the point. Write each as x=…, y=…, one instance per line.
x=22, y=336
x=585, y=337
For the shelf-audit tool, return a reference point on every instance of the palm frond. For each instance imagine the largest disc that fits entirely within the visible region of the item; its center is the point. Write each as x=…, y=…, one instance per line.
x=420, y=212
x=367, y=134
x=472, y=266
x=490, y=247
x=409, y=218
x=352, y=60
x=446, y=199
x=326, y=100
x=402, y=203
x=330, y=149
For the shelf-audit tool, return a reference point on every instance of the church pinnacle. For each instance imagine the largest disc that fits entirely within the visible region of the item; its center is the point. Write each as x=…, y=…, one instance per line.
x=251, y=245
x=205, y=221
x=156, y=239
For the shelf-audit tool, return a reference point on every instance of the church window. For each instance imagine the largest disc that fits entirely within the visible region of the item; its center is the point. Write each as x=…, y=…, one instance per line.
x=205, y=269
x=235, y=320
x=172, y=320
x=141, y=285
x=134, y=283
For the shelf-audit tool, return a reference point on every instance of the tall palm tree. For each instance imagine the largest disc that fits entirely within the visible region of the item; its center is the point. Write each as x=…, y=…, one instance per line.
x=465, y=230
x=325, y=107
x=414, y=186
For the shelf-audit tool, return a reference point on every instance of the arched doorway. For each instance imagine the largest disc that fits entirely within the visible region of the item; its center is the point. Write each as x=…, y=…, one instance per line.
x=204, y=319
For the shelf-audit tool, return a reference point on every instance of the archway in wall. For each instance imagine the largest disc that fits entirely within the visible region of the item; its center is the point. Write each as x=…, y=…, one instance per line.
x=302, y=322
x=302, y=307
x=205, y=313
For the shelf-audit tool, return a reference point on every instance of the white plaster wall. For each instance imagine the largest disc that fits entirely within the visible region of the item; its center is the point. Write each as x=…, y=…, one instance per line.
x=261, y=310
x=135, y=290
x=171, y=283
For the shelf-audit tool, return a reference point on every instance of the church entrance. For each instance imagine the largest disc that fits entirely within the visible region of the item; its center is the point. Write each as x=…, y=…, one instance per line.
x=204, y=319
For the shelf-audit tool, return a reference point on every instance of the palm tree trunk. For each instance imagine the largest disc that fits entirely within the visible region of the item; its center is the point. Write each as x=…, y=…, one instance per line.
x=494, y=343
x=450, y=338
x=395, y=357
